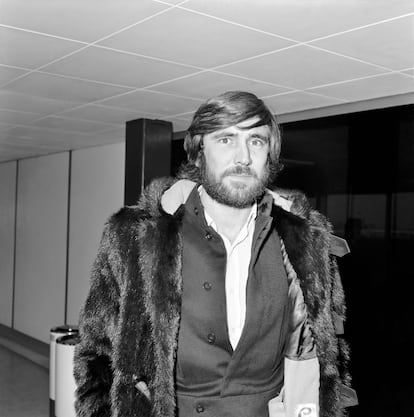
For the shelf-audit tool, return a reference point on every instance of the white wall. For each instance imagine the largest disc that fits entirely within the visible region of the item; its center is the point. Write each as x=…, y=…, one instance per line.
x=63, y=201
x=97, y=190
x=40, y=274
x=7, y=220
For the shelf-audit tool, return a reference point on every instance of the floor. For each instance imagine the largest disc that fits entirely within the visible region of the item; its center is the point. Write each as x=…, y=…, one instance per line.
x=24, y=386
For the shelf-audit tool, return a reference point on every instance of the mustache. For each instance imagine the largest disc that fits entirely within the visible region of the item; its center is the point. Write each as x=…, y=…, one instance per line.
x=239, y=170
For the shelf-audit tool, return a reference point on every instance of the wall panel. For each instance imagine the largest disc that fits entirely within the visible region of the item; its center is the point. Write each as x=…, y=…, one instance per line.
x=97, y=190
x=41, y=237
x=7, y=220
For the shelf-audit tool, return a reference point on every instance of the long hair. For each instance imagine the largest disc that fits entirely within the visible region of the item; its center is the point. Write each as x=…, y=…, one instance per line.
x=229, y=109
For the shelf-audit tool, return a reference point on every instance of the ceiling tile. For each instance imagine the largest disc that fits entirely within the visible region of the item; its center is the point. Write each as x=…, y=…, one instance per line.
x=71, y=125
x=380, y=86
x=4, y=127
x=15, y=117
x=172, y=2
x=303, y=20
x=92, y=141
x=98, y=113
x=109, y=136
x=208, y=84
x=26, y=143
x=43, y=136
x=26, y=103
x=60, y=88
x=13, y=151
x=389, y=44
x=153, y=102
x=114, y=67
x=409, y=71
x=9, y=73
x=179, y=124
x=117, y=131
x=301, y=67
x=77, y=19
x=298, y=101
x=30, y=50
x=190, y=38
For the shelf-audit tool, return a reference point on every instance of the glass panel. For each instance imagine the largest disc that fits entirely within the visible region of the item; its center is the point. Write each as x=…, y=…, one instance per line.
x=337, y=212
x=368, y=211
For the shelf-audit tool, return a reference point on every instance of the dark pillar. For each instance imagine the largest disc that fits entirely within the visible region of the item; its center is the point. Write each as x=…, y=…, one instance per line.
x=147, y=155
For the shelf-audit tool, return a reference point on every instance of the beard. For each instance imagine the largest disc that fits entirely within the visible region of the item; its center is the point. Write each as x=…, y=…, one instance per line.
x=238, y=194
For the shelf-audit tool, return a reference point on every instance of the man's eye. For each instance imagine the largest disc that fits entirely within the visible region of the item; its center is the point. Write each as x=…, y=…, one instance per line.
x=224, y=140
x=257, y=143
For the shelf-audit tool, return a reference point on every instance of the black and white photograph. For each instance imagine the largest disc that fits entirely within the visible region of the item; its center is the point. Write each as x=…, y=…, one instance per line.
x=206, y=208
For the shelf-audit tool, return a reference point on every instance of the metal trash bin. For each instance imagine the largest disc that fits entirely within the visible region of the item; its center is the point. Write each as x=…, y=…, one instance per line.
x=55, y=333
x=65, y=385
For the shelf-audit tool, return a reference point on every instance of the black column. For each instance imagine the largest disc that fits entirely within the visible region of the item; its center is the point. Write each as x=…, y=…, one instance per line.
x=147, y=155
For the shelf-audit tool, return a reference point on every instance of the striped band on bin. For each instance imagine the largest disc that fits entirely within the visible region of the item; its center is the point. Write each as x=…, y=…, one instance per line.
x=65, y=329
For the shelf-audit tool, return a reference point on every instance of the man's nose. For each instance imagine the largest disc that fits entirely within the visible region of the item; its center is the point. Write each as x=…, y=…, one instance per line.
x=242, y=155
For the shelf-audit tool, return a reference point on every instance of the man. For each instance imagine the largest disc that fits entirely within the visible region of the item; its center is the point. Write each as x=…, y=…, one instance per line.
x=215, y=296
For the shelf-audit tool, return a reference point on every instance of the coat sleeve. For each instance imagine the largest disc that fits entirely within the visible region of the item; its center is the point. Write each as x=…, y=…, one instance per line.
x=93, y=355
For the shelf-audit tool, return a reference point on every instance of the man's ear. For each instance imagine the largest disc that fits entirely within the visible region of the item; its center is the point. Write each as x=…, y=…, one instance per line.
x=197, y=162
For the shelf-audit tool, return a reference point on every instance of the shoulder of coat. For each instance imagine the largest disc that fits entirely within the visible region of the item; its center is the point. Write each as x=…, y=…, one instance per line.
x=148, y=205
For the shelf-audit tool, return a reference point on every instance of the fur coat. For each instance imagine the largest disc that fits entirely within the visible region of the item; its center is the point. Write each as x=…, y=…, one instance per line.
x=125, y=361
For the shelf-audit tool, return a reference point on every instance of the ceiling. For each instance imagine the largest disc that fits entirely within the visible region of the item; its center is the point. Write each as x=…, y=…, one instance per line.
x=72, y=72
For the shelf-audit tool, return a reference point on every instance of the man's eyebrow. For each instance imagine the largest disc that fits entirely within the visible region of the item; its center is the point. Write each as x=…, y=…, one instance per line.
x=223, y=133
x=260, y=136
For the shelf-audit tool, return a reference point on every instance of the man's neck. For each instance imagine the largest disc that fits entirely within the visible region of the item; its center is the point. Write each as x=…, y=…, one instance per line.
x=229, y=220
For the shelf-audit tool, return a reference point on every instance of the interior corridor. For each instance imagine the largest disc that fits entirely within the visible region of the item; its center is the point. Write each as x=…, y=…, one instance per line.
x=24, y=386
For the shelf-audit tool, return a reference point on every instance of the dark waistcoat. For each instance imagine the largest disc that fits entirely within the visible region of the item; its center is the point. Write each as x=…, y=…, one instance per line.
x=212, y=379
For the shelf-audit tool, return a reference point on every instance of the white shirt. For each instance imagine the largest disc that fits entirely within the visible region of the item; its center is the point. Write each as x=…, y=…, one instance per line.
x=237, y=272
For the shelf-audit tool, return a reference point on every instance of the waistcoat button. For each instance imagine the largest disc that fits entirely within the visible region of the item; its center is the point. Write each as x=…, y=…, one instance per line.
x=207, y=286
x=199, y=408
x=211, y=338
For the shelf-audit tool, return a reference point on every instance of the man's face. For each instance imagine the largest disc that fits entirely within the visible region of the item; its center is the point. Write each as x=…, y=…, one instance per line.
x=234, y=163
